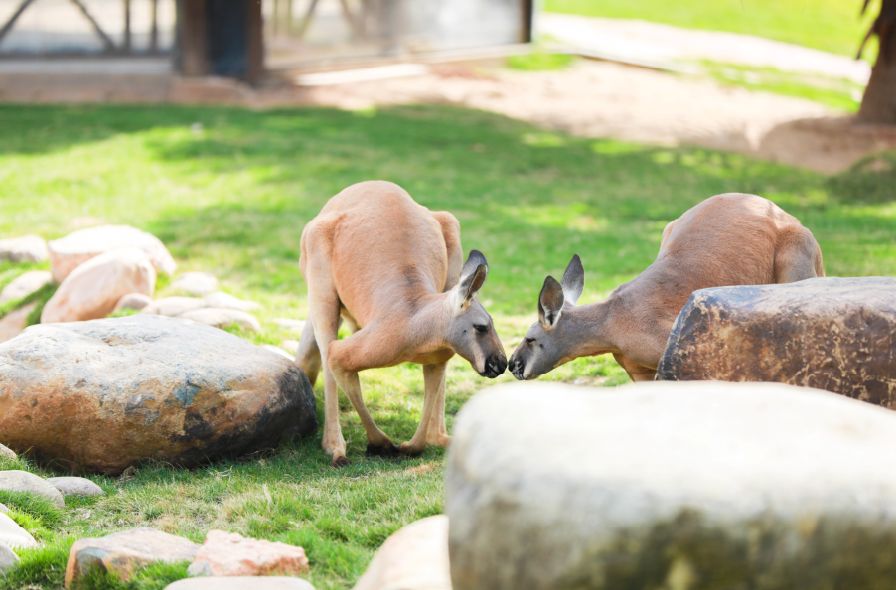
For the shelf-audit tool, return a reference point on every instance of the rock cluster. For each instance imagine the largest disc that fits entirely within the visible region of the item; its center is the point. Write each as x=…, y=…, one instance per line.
x=225, y=560
x=109, y=269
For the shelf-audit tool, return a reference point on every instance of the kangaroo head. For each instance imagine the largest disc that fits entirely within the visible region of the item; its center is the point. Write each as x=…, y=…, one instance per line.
x=471, y=331
x=551, y=340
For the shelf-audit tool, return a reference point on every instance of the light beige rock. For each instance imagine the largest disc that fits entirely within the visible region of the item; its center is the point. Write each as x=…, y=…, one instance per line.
x=413, y=558
x=227, y=301
x=831, y=333
x=15, y=322
x=221, y=318
x=174, y=306
x=14, y=536
x=76, y=486
x=79, y=246
x=712, y=484
x=290, y=346
x=230, y=554
x=122, y=554
x=92, y=290
x=106, y=394
x=28, y=248
x=135, y=301
x=8, y=558
x=278, y=350
x=28, y=483
x=195, y=283
x=7, y=453
x=241, y=583
x=25, y=284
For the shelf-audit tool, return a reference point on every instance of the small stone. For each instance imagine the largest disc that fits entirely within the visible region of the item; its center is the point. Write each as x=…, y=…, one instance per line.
x=278, y=350
x=29, y=248
x=135, y=301
x=174, y=306
x=77, y=247
x=14, y=536
x=15, y=322
x=290, y=324
x=195, y=283
x=76, y=486
x=28, y=483
x=413, y=558
x=91, y=291
x=227, y=301
x=242, y=583
x=290, y=346
x=8, y=558
x=122, y=554
x=26, y=284
x=230, y=554
x=7, y=453
x=221, y=318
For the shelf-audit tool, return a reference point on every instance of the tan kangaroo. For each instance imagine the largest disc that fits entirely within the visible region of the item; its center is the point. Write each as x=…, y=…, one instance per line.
x=729, y=239
x=394, y=271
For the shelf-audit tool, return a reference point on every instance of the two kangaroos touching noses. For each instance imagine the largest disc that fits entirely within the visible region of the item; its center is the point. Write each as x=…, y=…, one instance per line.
x=394, y=272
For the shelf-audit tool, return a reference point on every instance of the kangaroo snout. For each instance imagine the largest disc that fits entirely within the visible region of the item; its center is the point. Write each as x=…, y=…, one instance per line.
x=517, y=367
x=495, y=365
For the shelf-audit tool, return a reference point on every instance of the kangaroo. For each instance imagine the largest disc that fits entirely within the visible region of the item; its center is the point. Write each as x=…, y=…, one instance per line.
x=394, y=271
x=728, y=239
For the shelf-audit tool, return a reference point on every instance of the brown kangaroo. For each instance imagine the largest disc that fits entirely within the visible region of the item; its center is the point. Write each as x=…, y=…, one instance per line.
x=394, y=271
x=728, y=239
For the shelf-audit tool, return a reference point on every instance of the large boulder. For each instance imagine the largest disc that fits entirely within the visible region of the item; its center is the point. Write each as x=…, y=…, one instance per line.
x=105, y=394
x=28, y=248
x=82, y=245
x=414, y=557
x=92, y=290
x=123, y=554
x=830, y=333
x=671, y=485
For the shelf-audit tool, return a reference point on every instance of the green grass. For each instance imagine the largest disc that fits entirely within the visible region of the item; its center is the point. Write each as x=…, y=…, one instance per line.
x=540, y=60
x=836, y=93
x=829, y=25
x=229, y=191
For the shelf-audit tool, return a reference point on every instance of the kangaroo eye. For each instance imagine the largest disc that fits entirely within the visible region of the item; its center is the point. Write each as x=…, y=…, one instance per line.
x=530, y=340
x=481, y=328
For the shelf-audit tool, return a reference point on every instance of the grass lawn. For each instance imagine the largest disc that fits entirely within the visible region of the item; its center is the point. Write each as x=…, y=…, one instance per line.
x=229, y=191
x=830, y=25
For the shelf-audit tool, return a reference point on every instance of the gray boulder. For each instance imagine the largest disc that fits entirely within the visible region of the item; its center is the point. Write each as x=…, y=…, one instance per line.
x=830, y=333
x=670, y=485
x=75, y=486
x=14, y=536
x=28, y=483
x=106, y=394
x=28, y=248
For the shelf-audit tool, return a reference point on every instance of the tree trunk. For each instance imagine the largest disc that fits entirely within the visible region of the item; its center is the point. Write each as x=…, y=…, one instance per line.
x=879, y=100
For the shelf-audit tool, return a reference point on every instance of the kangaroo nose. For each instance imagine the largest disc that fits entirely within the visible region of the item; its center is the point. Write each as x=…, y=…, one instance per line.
x=495, y=365
x=517, y=367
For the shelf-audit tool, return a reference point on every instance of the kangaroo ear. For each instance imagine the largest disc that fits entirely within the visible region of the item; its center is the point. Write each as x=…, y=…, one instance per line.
x=550, y=303
x=573, y=279
x=472, y=276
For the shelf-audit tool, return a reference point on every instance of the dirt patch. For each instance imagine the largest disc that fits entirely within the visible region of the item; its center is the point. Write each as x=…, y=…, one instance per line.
x=596, y=99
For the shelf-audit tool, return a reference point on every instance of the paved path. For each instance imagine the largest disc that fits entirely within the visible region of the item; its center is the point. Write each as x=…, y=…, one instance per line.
x=670, y=47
